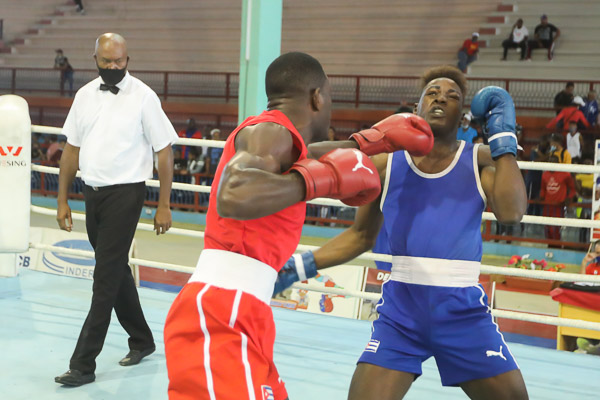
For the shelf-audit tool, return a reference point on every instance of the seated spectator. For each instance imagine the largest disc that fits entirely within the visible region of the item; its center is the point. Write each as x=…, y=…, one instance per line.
x=557, y=149
x=556, y=190
x=52, y=146
x=564, y=98
x=190, y=132
x=331, y=135
x=517, y=39
x=567, y=115
x=36, y=152
x=590, y=108
x=544, y=37
x=213, y=155
x=465, y=131
x=179, y=163
x=405, y=107
x=468, y=52
x=574, y=142
x=194, y=165
x=54, y=159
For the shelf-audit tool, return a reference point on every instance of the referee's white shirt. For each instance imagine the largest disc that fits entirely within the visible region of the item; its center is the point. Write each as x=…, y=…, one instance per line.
x=116, y=133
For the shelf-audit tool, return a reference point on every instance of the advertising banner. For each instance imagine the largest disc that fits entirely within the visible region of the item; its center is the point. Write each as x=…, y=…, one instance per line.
x=344, y=277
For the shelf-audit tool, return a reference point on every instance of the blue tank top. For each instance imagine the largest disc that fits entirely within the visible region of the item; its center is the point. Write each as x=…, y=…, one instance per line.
x=434, y=215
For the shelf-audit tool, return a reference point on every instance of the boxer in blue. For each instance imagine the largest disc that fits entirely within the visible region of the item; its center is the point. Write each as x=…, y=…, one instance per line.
x=430, y=211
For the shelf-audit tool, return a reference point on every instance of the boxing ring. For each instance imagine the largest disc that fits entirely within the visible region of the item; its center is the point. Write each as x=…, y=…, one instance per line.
x=41, y=318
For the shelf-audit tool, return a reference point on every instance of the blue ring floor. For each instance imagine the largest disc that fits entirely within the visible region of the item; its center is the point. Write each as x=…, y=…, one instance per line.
x=41, y=316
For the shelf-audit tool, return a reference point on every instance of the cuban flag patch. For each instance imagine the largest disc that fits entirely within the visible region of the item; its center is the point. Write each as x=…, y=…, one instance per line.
x=372, y=346
x=267, y=392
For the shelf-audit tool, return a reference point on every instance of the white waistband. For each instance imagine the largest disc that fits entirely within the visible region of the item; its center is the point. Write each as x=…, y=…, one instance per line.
x=235, y=271
x=435, y=271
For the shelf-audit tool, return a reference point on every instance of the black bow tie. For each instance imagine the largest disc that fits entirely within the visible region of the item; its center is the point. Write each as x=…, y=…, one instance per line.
x=113, y=89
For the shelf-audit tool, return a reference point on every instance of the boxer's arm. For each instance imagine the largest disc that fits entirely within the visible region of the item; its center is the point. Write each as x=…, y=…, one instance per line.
x=361, y=236
x=319, y=149
x=252, y=184
x=503, y=185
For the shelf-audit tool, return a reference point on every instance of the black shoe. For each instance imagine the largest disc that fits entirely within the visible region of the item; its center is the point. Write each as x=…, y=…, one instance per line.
x=75, y=377
x=135, y=356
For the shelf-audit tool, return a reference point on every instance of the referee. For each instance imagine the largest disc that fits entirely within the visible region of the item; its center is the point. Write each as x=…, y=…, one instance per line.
x=114, y=124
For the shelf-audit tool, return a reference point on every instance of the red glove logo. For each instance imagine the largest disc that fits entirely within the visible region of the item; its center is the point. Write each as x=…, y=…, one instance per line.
x=359, y=162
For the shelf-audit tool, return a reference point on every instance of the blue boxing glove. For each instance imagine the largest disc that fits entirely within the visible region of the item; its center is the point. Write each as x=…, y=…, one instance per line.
x=299, y=267
x=494, y=109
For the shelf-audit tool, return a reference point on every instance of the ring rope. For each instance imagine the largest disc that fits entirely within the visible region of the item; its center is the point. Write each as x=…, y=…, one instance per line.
x=485, y=269
x=528, y=165
x=543, y=319
x=528, y=219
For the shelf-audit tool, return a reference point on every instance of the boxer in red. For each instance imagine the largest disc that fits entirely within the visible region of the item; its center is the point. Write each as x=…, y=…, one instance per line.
x=220, y=332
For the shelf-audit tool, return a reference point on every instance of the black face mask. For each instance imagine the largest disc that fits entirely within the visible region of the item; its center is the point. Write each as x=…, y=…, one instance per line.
x=111, y=76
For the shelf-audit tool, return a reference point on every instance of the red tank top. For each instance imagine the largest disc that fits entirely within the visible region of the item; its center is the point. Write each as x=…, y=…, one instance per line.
x=271, y=239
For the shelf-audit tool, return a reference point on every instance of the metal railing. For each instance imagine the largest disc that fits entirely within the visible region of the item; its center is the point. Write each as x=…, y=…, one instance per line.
x=354, y=90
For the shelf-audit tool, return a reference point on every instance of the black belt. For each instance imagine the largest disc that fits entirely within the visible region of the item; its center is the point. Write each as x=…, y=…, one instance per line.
x=120, y=185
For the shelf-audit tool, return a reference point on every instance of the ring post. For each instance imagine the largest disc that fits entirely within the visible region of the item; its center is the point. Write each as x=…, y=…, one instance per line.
x=15, y=181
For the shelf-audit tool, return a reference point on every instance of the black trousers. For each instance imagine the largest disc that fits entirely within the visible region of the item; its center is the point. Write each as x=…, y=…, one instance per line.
x=112, y=214
x=534, y=44
x=79, y=4
x=509, y=44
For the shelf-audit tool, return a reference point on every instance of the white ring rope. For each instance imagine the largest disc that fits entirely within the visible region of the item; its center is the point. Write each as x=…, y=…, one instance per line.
x=527, y=219
x=543, y=319
x=141, y=226
x=529, y=165
x=485, y=269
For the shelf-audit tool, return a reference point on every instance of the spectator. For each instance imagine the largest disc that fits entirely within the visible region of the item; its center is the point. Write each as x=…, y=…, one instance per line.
x=179, y=162
x=544, y=37
x=590, y=108
x=36, y=152
x=574, y=142
x=564, y=98
x=466, y=132
x=517, y=39
x=468, y=52
x=331, y=135
x=405, y=107
x=479, y=139
x=213, y=154
x=190, y=132
x=533, y=179
x=52, y=147
x=557, y=149
x=54, y=159
x=80, y=9
x=66, y=71
x=567, y=115
x=195, y=164
x=556, y=190
x=584, y=184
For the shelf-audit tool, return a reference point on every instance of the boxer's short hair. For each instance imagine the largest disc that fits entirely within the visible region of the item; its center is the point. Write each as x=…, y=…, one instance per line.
x=293, y=74
x=445, y=71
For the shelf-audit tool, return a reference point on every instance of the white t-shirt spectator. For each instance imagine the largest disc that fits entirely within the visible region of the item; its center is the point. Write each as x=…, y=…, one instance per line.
x=519, y=34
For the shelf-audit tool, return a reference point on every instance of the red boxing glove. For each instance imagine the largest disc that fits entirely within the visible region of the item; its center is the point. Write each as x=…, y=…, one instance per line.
x=345, y=174
x=397, y=132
